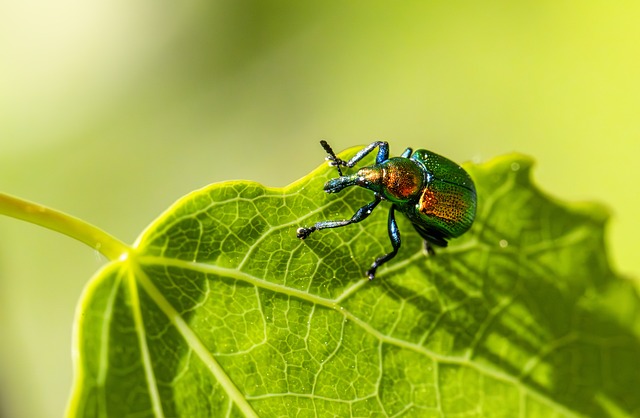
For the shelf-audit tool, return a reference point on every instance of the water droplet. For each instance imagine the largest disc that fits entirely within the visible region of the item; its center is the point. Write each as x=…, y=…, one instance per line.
x=515, y=166
x=504, y=243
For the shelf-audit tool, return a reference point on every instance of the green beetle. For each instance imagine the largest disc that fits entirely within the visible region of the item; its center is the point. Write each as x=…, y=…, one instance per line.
x=436, y=194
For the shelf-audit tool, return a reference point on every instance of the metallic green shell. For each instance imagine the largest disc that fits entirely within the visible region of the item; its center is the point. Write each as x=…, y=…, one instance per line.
x=447, y=205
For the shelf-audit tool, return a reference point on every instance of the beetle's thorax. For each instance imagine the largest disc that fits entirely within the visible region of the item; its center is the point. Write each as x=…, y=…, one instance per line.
x=397, y=179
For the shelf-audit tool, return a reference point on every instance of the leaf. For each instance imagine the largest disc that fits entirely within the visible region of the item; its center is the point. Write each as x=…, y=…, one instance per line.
x=220, y=310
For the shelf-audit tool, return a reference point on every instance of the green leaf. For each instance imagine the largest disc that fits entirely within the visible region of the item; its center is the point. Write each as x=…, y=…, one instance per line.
x=219, y=310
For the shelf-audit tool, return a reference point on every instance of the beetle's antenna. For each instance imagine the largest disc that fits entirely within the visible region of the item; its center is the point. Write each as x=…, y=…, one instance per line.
x=332, y=156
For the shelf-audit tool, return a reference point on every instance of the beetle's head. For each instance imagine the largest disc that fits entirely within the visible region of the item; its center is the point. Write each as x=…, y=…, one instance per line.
x=367, y=177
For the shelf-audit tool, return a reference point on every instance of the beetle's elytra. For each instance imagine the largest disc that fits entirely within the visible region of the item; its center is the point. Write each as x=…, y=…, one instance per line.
x=436, y=194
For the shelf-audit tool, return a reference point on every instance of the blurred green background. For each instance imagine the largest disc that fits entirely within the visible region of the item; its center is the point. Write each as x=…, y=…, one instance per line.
x=111, y=110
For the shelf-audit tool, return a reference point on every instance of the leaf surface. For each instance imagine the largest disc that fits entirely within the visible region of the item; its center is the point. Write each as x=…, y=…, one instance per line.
x=220, y=310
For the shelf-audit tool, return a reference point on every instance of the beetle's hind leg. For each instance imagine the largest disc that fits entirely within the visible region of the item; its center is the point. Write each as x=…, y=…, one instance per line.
x=428, y=248
x=431, y=239
x=361, y=214
x=394, y=236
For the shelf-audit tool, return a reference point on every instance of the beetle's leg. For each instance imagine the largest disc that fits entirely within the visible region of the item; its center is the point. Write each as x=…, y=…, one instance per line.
x=361, y=214
x=407, y=153
x=383, y=154
x=428, y=248
x=394, y=236
x=430, y=238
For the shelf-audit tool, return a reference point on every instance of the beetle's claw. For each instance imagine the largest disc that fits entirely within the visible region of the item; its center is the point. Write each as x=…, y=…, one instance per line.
x=371, y=273
x=302, y=233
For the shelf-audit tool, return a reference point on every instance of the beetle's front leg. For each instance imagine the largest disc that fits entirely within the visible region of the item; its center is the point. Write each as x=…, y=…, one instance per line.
x=361, y=214
x=383, y=154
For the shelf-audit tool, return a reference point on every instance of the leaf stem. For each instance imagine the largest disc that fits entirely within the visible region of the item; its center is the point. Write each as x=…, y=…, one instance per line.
x=94, y=237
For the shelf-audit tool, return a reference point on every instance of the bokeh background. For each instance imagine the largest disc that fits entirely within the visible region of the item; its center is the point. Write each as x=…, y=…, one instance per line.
x=111, y=110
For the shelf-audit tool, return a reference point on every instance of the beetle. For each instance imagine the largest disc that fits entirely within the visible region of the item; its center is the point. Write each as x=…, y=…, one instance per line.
x=434, y=193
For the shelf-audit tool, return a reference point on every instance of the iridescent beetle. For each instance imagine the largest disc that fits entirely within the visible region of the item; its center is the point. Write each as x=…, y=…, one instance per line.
x=436, y=194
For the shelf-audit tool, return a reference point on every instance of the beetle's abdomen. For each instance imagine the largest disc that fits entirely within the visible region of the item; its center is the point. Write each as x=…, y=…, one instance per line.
x=448, y=201
x=447, y=207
